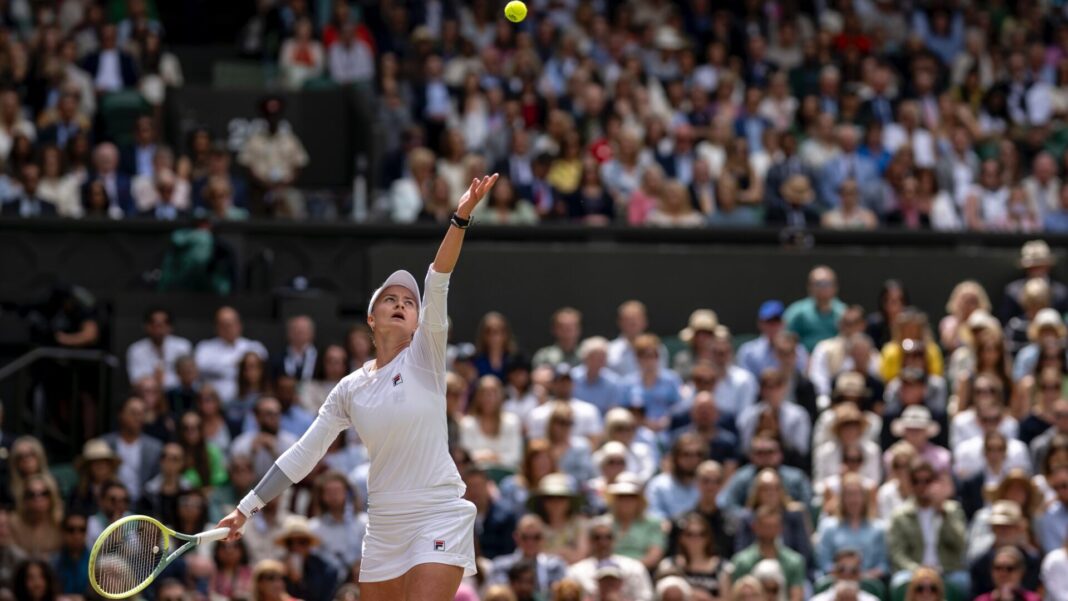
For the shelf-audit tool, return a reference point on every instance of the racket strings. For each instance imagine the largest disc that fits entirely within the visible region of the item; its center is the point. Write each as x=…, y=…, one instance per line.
x=128, y=556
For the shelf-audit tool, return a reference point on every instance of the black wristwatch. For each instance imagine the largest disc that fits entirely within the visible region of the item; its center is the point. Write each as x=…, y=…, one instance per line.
x=460, y=222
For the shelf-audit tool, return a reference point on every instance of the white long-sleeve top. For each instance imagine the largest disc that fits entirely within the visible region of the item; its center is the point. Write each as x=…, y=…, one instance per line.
x=398, y=411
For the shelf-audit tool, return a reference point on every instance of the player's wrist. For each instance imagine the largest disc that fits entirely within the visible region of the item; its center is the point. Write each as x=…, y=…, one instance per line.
x=250, y=504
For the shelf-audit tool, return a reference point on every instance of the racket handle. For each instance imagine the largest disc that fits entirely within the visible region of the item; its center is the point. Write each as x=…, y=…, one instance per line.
x=212, y=535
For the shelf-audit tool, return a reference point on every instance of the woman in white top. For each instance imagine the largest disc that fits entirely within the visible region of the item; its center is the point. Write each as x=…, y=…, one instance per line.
x=420, y=532
x=490, y=434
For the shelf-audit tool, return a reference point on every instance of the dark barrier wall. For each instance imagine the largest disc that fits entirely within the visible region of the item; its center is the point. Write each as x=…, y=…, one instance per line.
x=524, y=273
x=333, y=124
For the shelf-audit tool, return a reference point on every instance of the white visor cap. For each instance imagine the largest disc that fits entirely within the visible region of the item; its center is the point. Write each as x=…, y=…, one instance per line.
x=397, y=278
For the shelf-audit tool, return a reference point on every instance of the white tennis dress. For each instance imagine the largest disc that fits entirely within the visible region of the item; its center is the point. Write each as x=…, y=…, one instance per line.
x=416, y=510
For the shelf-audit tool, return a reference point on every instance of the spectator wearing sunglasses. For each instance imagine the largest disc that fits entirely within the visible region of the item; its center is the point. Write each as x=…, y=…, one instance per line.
x=71, y=562
x=1007, y=571
x=308, y=576
x=925, y=585
x=269, y=581
x=844, y=576
x=1009, y=528
x=601, y=536
x=990, y=414
x=1053, y=526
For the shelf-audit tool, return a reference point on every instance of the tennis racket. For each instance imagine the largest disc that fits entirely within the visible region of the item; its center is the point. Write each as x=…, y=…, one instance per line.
x=129, y=554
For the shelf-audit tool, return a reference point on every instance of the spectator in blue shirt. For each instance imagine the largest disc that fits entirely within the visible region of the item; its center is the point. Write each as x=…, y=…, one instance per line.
x=654, y=388
x=757, y=354
x=1052, y=527
x=72, y=560
x=593, y=381
x=815, y=318
x=1056, y=222
x=674, y=492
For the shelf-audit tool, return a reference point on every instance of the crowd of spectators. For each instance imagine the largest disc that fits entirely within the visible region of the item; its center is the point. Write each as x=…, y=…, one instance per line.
x=853, y=114
x=841, y=453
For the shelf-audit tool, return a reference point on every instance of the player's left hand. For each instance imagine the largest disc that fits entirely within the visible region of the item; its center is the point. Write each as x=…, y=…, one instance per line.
x=478, y=189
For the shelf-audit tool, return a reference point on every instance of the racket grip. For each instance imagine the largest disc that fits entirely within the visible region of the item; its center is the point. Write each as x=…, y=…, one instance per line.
x=211, y=536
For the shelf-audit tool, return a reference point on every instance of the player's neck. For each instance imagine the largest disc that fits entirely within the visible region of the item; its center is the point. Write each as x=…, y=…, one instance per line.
x=388, y=349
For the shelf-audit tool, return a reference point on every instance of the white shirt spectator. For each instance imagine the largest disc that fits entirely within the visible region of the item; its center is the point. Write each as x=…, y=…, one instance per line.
x=827, y=461
x=822, y=429
x=217, y=361
x=968, y=457
x=507, y=445
x=965, y=426
x=109, y=73
x=1055, y=575
x=143, y=358
x=587, y=418
x=736, y=391
x=923, y=147
x=636, y=583
x=130, y=468
x=351, y=63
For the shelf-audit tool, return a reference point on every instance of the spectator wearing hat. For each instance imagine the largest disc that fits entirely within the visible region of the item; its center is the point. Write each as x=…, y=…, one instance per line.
x=1008, y=524
x=757, y=354
x=850, y=387
x=567, y=332
x=767, y=528
x=489, y=433
x=1045, y=331
x=832, y=357
x=797, y=210
x=638, y=534
x=674, y=491
x=604, y=560
x=815, y=318
x=913, y=386
x=1034, y=296
x=530, y=541
x=794, y=422
x=97, y=465
x=1018, y=488
x=848, y=443
x=593, y=381
x=632, y=321
x=642, y=456
x=1037, y=261
x=916, y=427
x=697, y=335
x=557, y=502
x=269, y=581
x=654, y=388
x=989, y=415
x=928, y=531
x=765, y=451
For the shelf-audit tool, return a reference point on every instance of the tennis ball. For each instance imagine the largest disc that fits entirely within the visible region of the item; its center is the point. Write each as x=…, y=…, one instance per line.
x=516, y=11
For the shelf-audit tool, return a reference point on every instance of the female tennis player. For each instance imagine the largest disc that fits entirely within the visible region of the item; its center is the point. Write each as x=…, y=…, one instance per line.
x=420, y=530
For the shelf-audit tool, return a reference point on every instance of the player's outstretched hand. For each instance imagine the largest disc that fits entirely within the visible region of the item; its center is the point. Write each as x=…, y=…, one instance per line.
x=235, y=522
x=478, y=189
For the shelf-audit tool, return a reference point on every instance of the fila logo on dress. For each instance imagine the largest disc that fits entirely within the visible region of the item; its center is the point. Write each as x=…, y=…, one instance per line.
x=439, y=545
x=397, y=379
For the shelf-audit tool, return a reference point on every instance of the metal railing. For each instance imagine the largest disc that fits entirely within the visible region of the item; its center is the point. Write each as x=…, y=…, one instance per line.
x=29, y=411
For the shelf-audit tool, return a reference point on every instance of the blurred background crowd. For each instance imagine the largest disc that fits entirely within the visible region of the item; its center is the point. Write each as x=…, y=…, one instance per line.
x=839, y=451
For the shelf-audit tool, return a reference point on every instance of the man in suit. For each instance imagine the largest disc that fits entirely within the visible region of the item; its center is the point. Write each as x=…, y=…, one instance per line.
x=298, y=358
x=139, y=453
x=849, y=164
x=60, y=124
x=517, y=164
x=929, y=530
x=163, y=207
x=116, y=183
x=790, y=164
x=796, y=210
x=111, y=68
x=879, y=107
x=136, y=159
x=27, y=203
x=679, y=164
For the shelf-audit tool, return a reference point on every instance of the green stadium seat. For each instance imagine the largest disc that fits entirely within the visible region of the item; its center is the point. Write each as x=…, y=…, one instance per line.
x=119, y=111
x=240, y=74
x=499, y=472
x=320, y=83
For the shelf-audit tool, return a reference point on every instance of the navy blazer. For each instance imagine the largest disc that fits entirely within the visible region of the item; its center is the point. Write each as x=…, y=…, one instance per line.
x=127, y=66
x=125, y=199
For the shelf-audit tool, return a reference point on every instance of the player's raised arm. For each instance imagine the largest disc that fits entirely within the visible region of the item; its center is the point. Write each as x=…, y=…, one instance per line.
x=449, y=251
